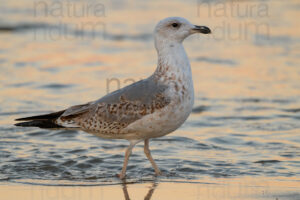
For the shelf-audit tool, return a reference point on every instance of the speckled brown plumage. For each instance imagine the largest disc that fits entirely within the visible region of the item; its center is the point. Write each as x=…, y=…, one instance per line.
x=112, y=113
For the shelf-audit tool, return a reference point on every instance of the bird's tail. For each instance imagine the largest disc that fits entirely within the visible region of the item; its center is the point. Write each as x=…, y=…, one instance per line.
x=41, y=121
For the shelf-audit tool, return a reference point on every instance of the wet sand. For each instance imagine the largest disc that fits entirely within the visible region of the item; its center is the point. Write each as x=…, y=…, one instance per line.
x=242, y=188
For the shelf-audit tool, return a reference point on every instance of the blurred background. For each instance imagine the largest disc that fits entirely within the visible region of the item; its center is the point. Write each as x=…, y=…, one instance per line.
x=245, y=123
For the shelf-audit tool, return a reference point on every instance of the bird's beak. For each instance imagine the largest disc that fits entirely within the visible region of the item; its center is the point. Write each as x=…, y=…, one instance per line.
x=201, y=29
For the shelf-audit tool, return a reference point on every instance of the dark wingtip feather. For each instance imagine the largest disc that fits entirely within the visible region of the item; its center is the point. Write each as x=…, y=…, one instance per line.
x=21, y=119
x=39, y=123
x=54, y=115
x=22, y=124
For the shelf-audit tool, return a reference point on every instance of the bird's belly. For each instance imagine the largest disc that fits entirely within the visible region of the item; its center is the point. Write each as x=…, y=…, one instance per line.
x=161, y=122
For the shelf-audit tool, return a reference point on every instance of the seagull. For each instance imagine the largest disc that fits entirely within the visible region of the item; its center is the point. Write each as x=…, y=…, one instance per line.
x=150, y=108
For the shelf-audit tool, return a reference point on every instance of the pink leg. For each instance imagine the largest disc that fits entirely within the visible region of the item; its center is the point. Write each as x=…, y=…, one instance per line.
x=126, y=159
x=148, y=154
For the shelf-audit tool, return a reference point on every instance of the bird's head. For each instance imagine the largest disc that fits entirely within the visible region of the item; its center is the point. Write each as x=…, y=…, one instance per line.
x=176, y=29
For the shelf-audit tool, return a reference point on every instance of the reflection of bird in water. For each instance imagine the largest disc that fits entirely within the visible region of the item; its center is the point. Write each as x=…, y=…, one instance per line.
x=150, y=108
x=148, y=195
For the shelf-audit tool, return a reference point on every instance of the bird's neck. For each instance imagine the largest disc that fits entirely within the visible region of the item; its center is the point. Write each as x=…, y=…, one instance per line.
x=173, y=62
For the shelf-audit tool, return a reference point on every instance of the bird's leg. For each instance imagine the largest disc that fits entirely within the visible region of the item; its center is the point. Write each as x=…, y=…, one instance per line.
x=148, y=154
x=127, y=155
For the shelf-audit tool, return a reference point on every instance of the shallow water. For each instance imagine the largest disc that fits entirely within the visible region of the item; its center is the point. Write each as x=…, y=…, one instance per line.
x=247, y=94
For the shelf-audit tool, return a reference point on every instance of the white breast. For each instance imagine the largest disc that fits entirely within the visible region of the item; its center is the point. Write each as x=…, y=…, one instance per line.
x=180, y=90
x=163, y=121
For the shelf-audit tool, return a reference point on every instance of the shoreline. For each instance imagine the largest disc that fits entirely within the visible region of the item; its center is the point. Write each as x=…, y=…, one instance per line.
x=278, y=188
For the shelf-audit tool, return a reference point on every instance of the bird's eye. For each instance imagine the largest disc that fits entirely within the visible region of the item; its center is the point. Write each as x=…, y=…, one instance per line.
x=175, y=25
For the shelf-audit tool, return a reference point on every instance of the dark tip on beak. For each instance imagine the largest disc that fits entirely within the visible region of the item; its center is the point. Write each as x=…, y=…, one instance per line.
x=202, y=29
